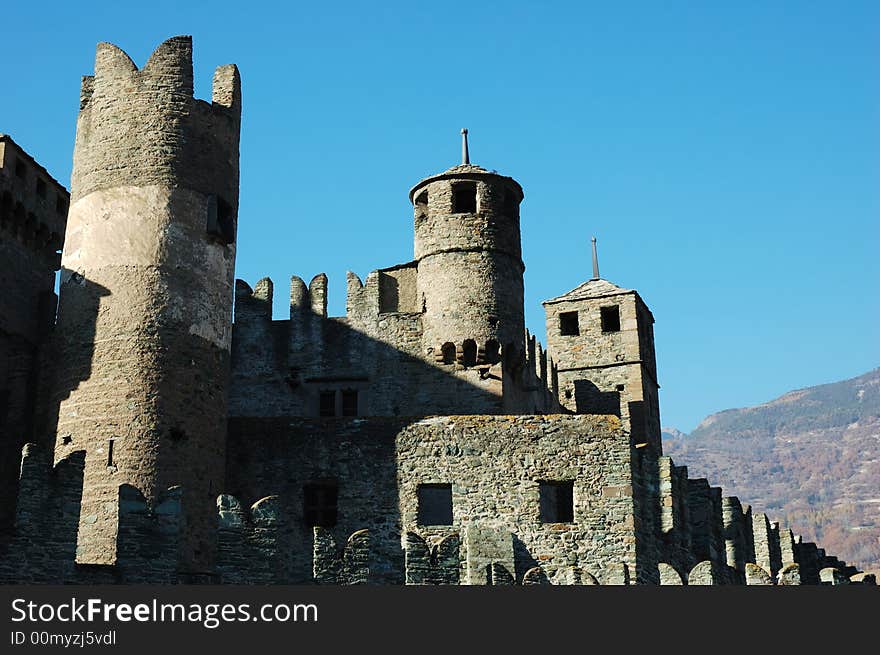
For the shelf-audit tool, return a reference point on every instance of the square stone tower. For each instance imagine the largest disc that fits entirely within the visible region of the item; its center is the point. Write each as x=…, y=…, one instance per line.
x=33, y=213
x=601, y=337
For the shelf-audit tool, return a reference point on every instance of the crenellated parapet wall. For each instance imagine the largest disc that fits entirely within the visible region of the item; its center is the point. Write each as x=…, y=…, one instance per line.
x=177, y=140
x=498, y=533
x=706, y=521
x=43, y=545
x=150, y=541
x=432, y=561
x=717, y=539
x=370, y=362
x=675, y=525
x=348, y=565
x=248, y=541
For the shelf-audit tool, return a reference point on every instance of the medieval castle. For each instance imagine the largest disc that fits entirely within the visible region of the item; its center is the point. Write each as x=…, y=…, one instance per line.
x=423, y=438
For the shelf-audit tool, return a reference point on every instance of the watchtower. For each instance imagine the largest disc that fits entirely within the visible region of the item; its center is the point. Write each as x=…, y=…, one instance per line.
x=470, y=268
x=146, y=292
x=601, y=337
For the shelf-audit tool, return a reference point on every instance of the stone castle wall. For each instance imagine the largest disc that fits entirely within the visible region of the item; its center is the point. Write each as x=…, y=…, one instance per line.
x=493, y=464
x=494, y=467
x=33, y=211
x=280, y=368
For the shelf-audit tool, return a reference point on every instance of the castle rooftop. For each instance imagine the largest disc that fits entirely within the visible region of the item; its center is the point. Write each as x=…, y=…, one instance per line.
x=465, y=170
x=596, y=288
x=5, y=138
x=468, y=172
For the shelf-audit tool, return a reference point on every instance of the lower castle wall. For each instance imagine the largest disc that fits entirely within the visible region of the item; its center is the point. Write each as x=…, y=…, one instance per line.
x=494, y=465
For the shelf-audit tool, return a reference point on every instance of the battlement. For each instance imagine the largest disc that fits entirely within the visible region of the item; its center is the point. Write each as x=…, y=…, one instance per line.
x=708, y=538
x=170, y=138
x=150, y=535
x=248, y=550
x=47, y=511
x=305, y=299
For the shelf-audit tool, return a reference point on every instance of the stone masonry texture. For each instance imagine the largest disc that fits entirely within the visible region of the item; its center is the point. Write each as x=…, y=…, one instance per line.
x=160, y=426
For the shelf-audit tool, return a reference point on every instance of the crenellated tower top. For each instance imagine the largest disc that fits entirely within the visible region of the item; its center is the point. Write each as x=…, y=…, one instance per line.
x=169, y=136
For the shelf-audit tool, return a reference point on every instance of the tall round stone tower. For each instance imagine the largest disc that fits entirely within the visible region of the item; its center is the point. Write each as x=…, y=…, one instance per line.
x=470, y=268
x=145, y=309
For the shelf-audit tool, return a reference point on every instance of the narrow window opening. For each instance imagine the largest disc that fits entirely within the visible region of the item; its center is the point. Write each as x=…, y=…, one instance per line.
x=422, y=198
x=6, y=206
x=110, y=452
x=464, y=198
x=349, y=402
x=448, y=351
x=435, y=504
x=41, y=187
x=327, y=403
x=19, y=169
x=556, y=501
x=568, y=324
x=320, y=503
x=4, y=405
x=610, y=319
x=469, y=353
x=511, y=205
x=220, y=220
x=66, y=440
x=619, y=387
x=493, y=352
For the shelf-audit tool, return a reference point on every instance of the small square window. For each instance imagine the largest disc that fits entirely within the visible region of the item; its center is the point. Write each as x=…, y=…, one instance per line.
x=327, y=403
x=319, y=504
x=556, y=501
x=435, y=504
x=610, y=319
x=349, y=402
x=464, y=198
x=568, y=324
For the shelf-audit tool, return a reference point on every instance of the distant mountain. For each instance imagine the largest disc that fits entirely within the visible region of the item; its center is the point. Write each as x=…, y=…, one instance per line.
x=810, y=459
x=672, y=433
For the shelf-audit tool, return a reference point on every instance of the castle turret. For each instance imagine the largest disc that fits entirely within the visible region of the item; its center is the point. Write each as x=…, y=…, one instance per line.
x=470, y=268
x=146, y=292
x=601, y=337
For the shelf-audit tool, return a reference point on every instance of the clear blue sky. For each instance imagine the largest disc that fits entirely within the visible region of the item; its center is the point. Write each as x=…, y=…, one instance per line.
x=726, y=156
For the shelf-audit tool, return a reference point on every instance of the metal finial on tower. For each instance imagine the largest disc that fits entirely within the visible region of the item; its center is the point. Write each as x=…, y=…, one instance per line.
x=465, y=157
x=595, y=260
